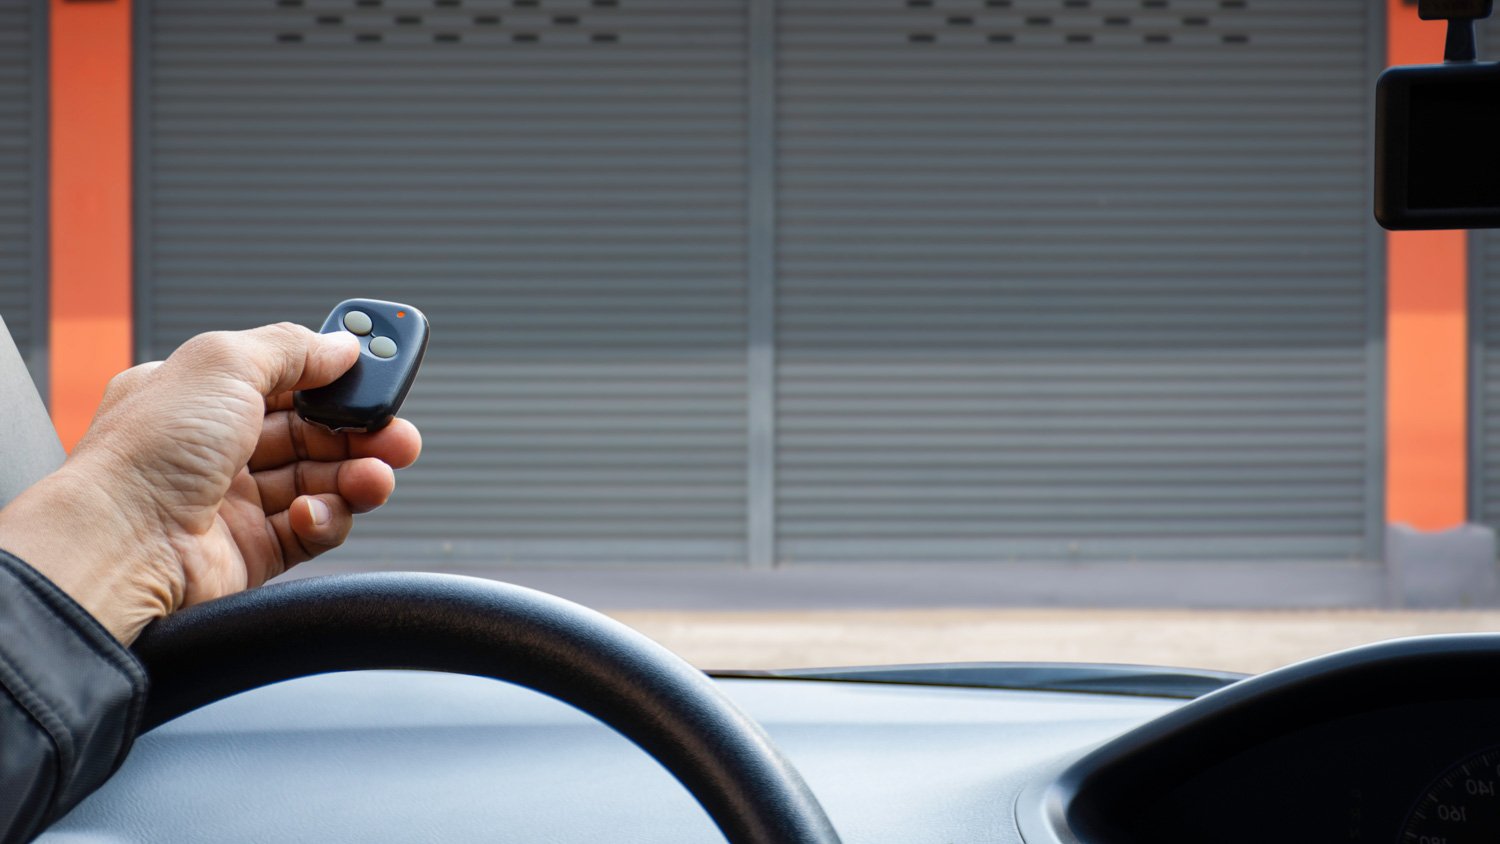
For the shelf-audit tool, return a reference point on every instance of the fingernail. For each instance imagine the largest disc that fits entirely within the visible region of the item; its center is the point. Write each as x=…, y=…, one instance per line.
x=320, y=512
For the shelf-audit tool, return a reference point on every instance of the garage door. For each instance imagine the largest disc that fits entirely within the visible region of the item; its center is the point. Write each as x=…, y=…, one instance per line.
x=559, y=186
x=1484, y=453
x=1054, y=279
x=23, y=181
x=1076, y=279
x=1484, y=328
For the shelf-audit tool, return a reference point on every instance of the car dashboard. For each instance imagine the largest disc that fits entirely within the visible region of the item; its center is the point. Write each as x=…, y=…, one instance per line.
x=1388, y=743
x=1420, y=773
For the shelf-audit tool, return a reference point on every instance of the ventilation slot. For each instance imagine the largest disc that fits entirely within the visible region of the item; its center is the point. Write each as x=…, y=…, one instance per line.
x=404, y=24
x=1074, y=23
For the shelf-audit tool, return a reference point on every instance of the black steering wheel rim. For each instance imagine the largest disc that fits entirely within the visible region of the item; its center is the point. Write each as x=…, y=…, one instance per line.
x=472, y=626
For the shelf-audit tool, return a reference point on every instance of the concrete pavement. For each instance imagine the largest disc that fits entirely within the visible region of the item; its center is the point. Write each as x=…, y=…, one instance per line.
x=1250, y=641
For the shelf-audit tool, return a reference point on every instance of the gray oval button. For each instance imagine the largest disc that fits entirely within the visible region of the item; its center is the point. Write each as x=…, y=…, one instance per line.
x=382, y=347
x=359, y=323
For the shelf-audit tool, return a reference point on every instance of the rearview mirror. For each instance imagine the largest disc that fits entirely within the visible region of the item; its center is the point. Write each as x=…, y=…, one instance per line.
x=1437, y=146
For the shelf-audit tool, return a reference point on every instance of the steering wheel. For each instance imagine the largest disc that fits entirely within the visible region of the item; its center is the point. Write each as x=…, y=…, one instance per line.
x=471, y=626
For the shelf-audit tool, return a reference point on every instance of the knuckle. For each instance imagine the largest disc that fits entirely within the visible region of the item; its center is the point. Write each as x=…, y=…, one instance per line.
x=124, y=385
x=120, y=382
x=131, y=378
x=277, y=346
x=289, y=333
x=211, y=346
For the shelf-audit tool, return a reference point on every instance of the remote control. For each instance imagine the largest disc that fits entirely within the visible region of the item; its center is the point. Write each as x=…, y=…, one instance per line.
x=392, y=341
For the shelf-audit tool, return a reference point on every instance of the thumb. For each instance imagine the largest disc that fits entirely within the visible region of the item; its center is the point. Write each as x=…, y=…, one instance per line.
x=287, y=356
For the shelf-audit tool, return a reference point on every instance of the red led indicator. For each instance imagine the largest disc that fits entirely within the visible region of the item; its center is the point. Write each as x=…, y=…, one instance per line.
x=400, y=314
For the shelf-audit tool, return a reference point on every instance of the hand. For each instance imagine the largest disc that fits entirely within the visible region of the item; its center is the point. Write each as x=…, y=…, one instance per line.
x=196, y=479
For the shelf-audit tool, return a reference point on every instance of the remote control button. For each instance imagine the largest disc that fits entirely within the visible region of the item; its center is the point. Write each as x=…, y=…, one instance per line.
x=382, y=347
x=359, y=323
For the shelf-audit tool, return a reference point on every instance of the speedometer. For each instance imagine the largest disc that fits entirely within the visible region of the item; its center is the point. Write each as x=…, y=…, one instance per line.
x=1461, y=806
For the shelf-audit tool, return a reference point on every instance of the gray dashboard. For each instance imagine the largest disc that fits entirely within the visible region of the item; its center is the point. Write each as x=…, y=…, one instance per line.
x=415, y=756
x=1398, y=741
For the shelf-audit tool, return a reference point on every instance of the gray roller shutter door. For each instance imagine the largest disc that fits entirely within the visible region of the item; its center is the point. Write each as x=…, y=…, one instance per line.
x=1076, y=280
x=1014, y=319
x=561, y=189
x=1484, y=340
x=23, y=179
x=1484, y=328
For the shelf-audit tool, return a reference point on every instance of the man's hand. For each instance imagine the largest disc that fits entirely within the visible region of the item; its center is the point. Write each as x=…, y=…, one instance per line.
x=196, y=479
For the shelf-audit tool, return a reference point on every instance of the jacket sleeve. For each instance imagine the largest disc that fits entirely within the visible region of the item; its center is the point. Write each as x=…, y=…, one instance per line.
x=70, y=702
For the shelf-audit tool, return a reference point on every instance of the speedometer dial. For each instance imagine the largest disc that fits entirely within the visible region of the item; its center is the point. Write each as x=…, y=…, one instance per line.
x=1461, y=806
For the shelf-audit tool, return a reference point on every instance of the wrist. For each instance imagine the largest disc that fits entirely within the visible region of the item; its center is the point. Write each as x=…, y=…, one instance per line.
x=81, y=532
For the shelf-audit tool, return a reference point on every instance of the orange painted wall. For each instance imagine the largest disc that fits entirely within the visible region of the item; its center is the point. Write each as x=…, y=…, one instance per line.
x=1427, y=334
x=90, y=206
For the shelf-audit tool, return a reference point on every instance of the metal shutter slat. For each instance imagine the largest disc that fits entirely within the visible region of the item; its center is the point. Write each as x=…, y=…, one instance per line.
x=1484, y=328
x=568, y=213
x=20, y=226
x=1041, y=299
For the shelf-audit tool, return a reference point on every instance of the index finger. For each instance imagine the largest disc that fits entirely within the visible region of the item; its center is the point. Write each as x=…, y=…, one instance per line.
x=287, y=438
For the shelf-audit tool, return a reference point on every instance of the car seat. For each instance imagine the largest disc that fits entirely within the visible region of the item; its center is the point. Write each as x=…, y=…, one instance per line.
x=29, y=447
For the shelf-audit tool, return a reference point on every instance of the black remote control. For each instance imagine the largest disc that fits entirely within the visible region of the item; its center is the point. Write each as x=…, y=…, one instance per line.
x=392, y=341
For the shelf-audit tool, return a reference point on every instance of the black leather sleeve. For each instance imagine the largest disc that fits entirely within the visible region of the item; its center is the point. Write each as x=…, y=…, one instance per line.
x=70, y=702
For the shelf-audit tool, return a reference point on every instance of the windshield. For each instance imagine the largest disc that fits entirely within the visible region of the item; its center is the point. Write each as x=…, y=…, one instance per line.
x=821, y=333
